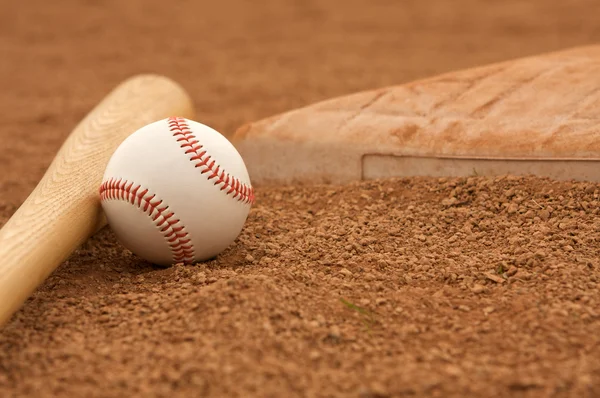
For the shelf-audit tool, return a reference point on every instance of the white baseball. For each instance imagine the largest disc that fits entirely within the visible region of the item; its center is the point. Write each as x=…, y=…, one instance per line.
x=176, y=191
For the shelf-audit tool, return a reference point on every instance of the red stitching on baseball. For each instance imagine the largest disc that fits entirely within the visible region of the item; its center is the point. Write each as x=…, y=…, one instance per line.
x=190, y=143
x=175, y=235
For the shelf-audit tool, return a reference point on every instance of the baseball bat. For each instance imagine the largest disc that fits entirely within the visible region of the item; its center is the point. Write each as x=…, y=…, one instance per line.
x=64, y=209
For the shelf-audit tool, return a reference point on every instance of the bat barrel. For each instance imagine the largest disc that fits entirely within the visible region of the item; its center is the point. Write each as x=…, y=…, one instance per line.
x=64, y=210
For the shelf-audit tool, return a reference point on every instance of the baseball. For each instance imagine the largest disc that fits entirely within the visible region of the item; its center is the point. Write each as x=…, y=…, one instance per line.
x=176, y=191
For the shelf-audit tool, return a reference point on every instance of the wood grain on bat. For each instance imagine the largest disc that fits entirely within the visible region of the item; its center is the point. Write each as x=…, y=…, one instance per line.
x=64, y=209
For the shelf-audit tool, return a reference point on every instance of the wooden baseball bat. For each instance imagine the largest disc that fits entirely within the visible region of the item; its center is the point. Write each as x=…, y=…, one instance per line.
x=64, y=210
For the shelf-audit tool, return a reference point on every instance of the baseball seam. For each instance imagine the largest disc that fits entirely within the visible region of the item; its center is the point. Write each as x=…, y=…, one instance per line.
x=172, y=229
x=190, y=143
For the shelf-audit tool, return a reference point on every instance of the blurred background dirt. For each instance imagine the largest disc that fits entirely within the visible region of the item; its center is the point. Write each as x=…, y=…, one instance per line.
x=327, y=292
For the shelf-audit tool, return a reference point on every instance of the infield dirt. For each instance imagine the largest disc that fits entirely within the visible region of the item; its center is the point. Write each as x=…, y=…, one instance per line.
x=478, y=286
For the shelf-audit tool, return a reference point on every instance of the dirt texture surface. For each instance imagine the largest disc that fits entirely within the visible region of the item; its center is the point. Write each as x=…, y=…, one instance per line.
x=474, y=286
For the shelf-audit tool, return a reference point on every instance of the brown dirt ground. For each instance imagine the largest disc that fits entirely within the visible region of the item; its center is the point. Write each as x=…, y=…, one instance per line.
x=415, y=287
